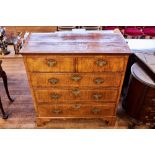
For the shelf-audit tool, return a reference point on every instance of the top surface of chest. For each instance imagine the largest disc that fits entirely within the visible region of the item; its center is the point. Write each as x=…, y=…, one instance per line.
x=76, y=42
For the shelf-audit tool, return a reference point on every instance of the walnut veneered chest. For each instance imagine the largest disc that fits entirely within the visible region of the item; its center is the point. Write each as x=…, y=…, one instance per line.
x=76, y=75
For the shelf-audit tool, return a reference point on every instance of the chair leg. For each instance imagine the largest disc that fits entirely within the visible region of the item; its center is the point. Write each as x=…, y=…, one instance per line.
x=16, y=49
x=5, y=116
x=4, y=77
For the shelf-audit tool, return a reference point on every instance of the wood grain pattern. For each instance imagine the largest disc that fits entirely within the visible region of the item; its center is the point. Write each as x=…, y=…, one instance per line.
x=76, y=94
x=63, y=54
x=24, y=29
x=93, y=103
x=75, y=110
x=85, y=42
x=101, y=63
x=76, y=79
x=21, y=111
x=22, y=114
x=50, y=64
x=82, y=123
x=31, y=88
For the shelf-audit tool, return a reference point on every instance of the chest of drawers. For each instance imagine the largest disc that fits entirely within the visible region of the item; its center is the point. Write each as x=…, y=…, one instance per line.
x=75, y=76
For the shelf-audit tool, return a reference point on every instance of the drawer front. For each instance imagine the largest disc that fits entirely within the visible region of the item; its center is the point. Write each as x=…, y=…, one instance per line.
x=50, y=64
x=85, y=79
x=79, y=103
x=72, y=110
x=76, y=94
x=101, y=63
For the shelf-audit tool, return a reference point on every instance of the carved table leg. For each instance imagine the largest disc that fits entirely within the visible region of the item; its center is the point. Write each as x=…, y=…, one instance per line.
x=4, y=77
x=5, y=116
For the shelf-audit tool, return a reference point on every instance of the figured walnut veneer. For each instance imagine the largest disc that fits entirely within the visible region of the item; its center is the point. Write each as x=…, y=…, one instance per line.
x=76, y=75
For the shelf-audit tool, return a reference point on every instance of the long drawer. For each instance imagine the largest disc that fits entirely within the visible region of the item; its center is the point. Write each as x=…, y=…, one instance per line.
x=76, y=111
x=76, y=94
x=78, y=103
x=76, y=79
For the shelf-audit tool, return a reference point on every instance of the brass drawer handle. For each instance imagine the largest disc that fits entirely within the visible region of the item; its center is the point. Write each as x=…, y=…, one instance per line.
x=53, y=81
x=101, y=62
x=57, y=111
x=55, y=96
x=76, y=78
x=76, y=91
x=98, y=81
x=97, y=96
x=51, y=62
x=76, y=106
x=95, y=110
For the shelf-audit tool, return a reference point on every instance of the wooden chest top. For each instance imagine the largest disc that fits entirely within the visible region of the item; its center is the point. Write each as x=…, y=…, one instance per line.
x=86, y=42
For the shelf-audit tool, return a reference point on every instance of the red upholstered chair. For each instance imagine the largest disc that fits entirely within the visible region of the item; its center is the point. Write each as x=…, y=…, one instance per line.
x=110, y=27
x=149, y=31
x=133, y=32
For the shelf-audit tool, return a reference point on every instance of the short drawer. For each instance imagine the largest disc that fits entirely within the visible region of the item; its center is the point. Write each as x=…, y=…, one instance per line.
x=76, y=94
x=70, y=79
x=50, y=64
x=101, y=63
x=73, y=110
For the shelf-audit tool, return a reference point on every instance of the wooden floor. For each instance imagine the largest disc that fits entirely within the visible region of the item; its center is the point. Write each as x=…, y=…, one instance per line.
x=21, y=112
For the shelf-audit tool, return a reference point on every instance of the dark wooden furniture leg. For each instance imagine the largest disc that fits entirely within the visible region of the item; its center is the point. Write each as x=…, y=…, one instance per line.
x=4, y=77
x=5, y=116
